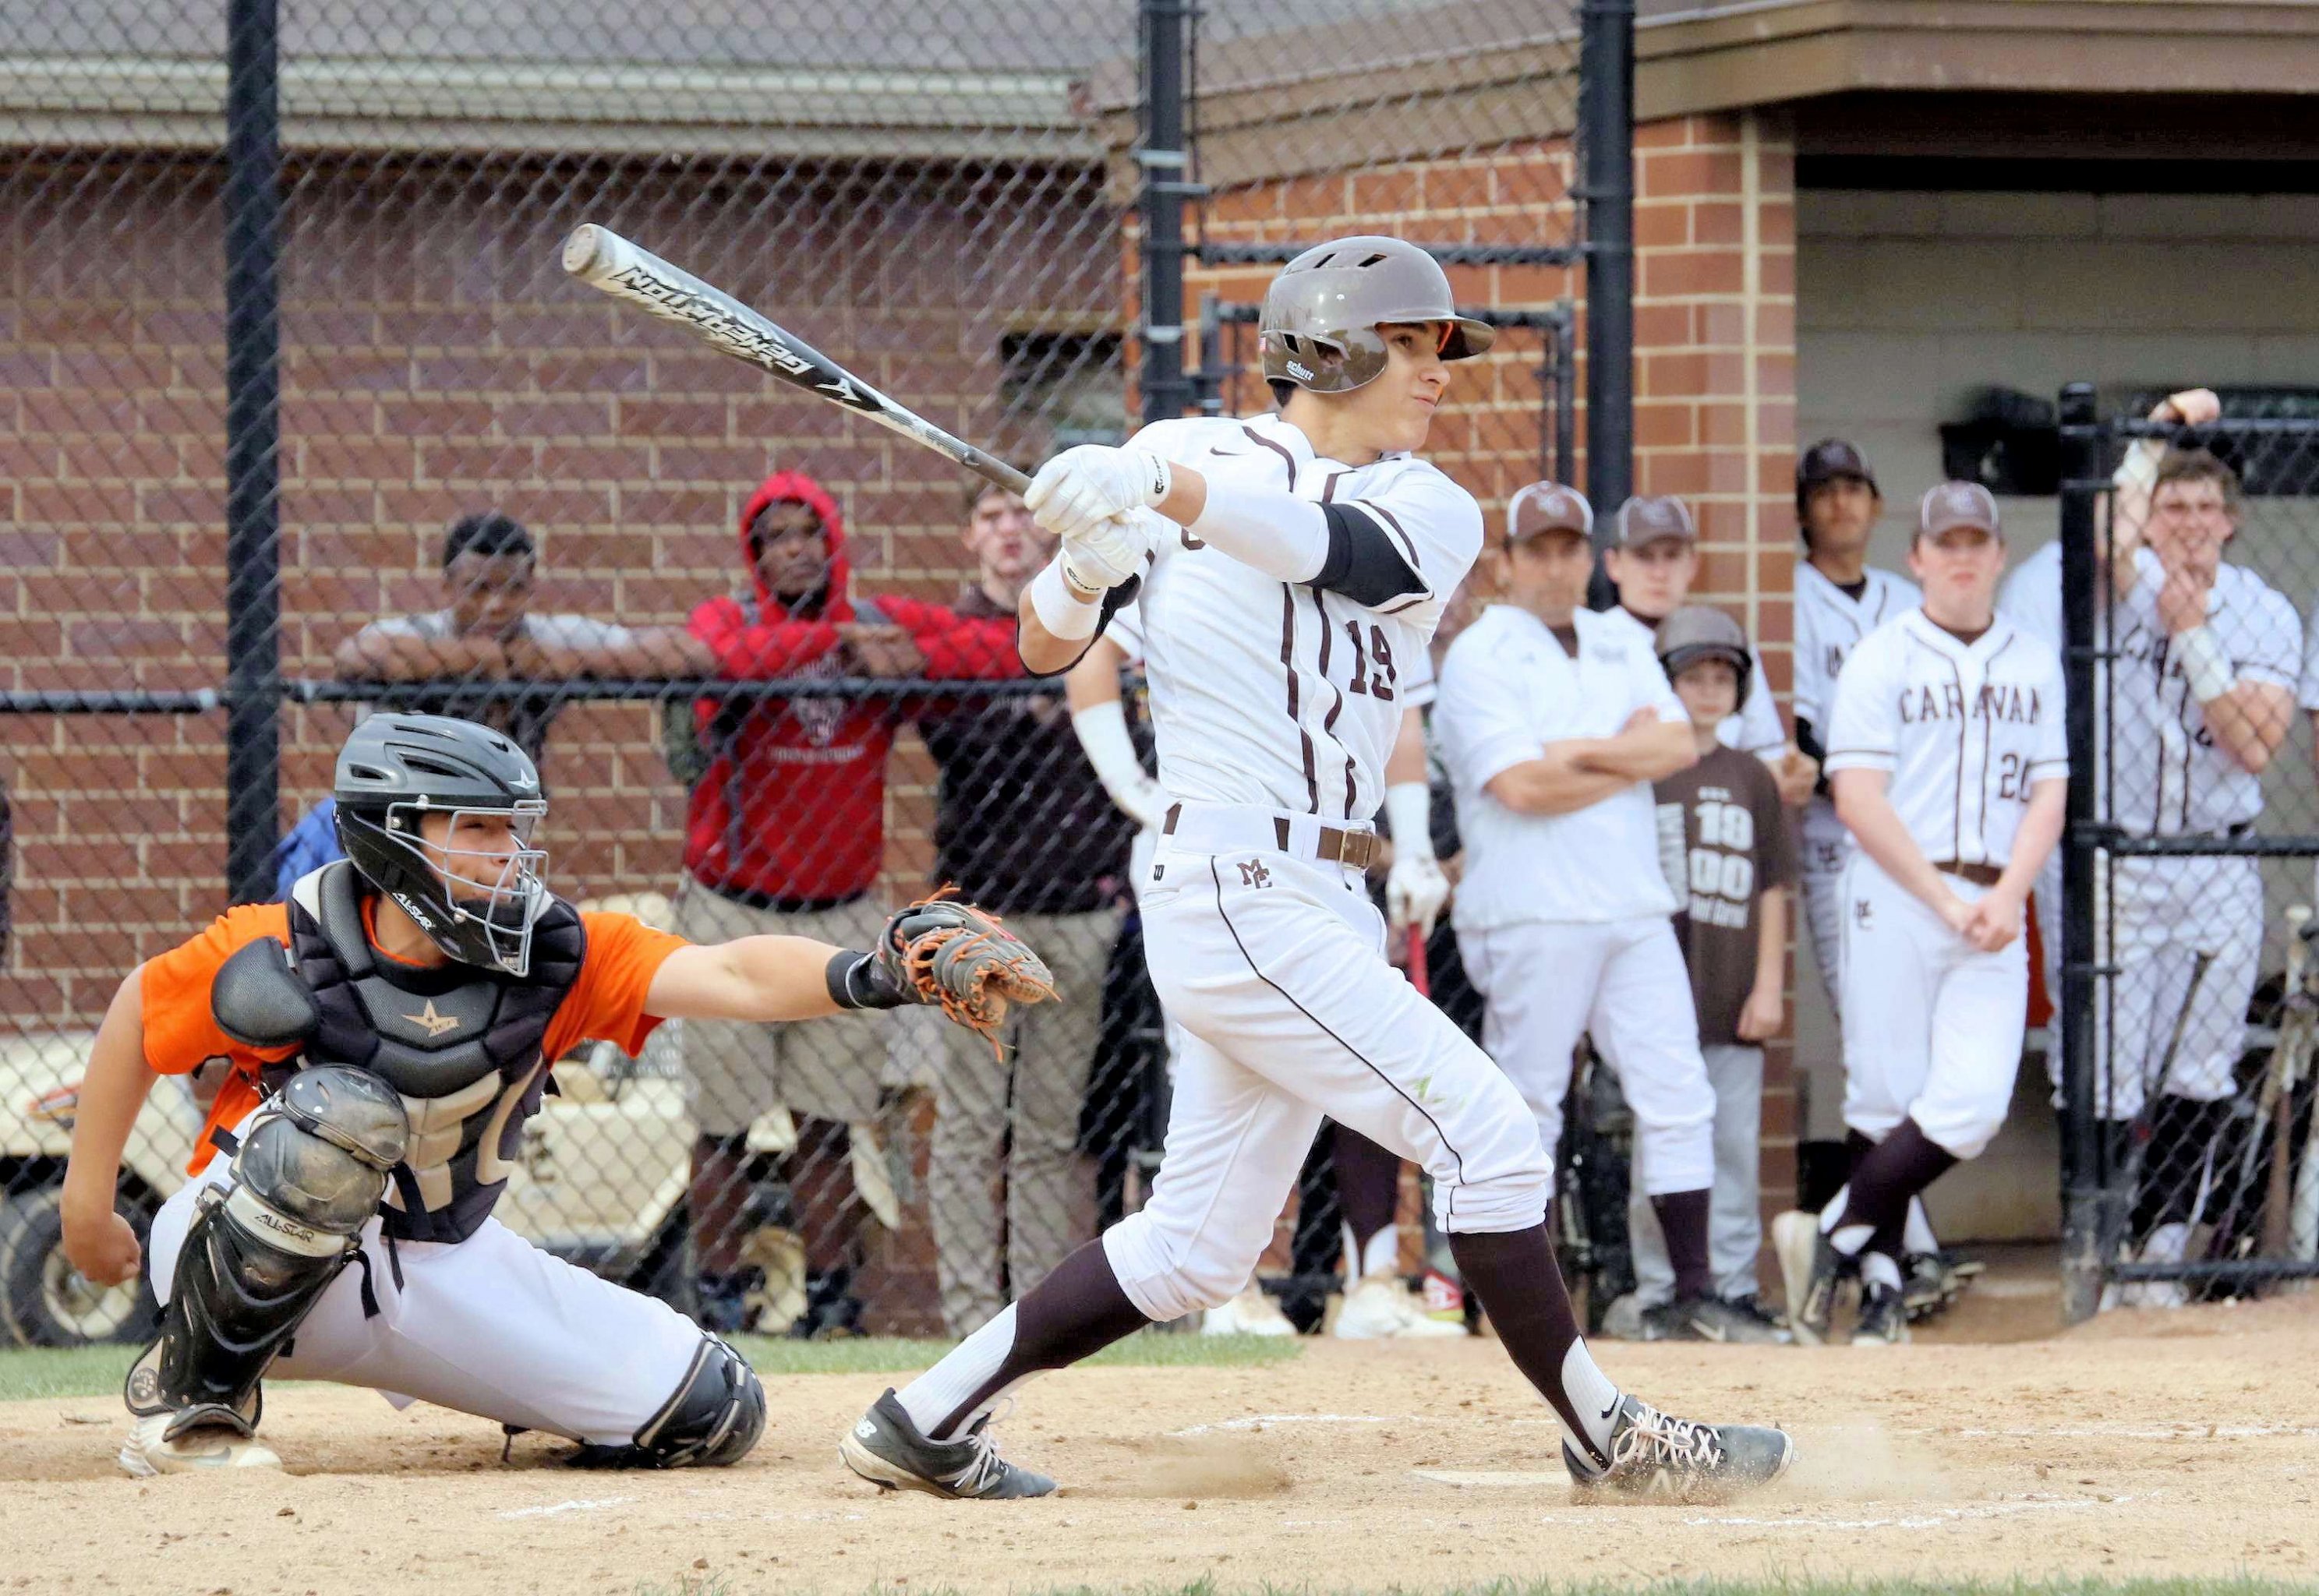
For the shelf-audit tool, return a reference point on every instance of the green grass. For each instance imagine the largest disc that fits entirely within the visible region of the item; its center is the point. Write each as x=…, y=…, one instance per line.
x=53, y=1372
x=98, y=1371
x=720, y=1584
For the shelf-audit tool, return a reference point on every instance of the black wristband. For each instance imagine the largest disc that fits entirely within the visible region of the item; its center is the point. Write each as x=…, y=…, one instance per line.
x=856, y=980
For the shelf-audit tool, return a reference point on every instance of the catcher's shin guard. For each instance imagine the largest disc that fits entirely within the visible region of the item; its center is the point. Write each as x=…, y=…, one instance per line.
x=261, y=1250
x=713, y=1417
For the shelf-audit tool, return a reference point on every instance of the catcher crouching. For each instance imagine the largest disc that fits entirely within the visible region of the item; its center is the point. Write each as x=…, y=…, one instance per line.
x=390, y=1029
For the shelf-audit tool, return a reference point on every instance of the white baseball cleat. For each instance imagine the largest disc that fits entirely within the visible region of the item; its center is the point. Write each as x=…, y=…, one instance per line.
x=1251, y=1313
x=1381, y=1307
x=150, y=1449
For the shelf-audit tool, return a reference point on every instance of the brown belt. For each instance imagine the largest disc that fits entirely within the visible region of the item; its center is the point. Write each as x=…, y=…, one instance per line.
x=1352, y=848
x=1979, y=875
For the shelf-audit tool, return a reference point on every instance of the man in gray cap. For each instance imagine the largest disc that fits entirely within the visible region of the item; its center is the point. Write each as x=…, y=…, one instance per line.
x=1653, y=559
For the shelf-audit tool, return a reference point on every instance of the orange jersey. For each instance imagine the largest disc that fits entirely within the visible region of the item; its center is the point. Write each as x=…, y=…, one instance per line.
x=606, y=1003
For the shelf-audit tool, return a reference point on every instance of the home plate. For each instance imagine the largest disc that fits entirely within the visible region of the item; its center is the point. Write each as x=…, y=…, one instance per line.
x=1465, y=1476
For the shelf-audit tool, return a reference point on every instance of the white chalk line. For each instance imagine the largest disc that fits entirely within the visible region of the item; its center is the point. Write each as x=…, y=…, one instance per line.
x=584, y=1505
x=1268, y=1420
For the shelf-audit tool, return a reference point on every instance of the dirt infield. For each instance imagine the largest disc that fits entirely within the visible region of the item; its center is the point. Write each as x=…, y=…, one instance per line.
x=2147, y=1444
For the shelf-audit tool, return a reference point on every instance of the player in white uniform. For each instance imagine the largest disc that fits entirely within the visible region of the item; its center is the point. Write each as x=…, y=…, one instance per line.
x=2031, y=599
x=2198, y=696
x=1377, y=1303
x=1947, y=757
x=1290, y=580
x=1840, y=598
x=1553, y=722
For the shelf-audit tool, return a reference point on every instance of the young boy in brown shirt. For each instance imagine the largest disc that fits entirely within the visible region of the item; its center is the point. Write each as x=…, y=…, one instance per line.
x=1731, y=860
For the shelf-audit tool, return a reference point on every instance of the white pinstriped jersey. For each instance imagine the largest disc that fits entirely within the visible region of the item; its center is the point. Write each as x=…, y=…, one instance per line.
x=2165, y=774
x=1965, y=730
x=1829, y=621
x=1276, y=694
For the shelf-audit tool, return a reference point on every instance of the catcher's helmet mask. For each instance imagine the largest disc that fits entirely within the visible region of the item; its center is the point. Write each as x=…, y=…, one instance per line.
x=477, y=905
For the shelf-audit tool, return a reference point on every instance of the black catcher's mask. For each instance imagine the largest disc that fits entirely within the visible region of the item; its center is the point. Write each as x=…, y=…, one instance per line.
x=477, y=906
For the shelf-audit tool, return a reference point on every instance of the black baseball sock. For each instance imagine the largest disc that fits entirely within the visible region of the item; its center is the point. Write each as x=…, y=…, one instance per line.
x=1368, y=1189
x=1515, y=1274
x=1876, y=1212
x=1077, y=1310
x=1682, y=1219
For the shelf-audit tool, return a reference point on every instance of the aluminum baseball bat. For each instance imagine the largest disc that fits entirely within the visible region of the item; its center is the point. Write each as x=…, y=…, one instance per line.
x=604, y=260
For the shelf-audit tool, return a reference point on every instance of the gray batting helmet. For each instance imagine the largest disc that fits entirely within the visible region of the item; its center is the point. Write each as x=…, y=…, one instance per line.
x=1319, y=328
x=1696, y=633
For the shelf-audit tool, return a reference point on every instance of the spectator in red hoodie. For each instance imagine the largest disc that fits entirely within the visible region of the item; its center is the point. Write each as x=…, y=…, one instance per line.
x=785, y=834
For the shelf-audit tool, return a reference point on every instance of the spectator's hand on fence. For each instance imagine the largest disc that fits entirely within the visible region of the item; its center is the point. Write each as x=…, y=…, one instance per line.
x=527, y=659
x=103, y=1246
x=886, y=652
x=1995, y=921
x=375, y=654
x=2192, y=406
x=1082, y=488
x=1763, y=1014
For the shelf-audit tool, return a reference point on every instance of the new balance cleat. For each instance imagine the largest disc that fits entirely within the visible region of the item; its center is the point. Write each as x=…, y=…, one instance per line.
x=885, y=1449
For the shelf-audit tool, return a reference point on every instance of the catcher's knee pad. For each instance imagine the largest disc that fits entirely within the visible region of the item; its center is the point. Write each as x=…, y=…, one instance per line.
x=713, y=1417
x=309, y=1173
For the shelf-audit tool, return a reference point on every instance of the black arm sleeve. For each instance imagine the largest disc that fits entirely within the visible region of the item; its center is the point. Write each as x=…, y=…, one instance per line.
x=1364, y=564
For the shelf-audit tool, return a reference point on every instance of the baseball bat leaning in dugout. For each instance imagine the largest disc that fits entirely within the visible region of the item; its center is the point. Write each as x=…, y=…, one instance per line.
x=602, y=260
x=2288, y=1058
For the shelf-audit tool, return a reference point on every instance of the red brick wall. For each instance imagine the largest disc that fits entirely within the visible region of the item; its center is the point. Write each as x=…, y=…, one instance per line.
x=436, y=361
x=1715, y=386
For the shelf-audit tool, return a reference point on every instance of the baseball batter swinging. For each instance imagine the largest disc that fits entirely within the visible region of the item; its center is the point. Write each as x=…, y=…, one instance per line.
x=1291, y=574
x=1947, y=758
x=390, y=1028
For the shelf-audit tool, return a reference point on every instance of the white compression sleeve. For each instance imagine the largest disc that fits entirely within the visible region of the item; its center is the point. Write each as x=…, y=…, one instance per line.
x=1409, y=810
x=1284, y=537
x=1102, y=729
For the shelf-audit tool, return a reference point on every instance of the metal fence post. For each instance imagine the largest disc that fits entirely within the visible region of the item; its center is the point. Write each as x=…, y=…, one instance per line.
x=2083, y=1231
x=253, y=386
x=1606, y=148
x=1161, y=161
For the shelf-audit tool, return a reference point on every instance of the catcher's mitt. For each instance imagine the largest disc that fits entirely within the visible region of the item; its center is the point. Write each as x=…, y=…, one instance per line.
x=942, y=950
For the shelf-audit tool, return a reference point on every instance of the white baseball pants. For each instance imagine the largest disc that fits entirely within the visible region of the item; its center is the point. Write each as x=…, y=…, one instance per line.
x=1273, y=973
x=491, y=1326
x=1932, y=1026
x=1549, y=982
x=2167, y=912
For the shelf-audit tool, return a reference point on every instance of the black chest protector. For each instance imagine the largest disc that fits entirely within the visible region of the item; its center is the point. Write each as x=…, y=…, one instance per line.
x=460, y=1045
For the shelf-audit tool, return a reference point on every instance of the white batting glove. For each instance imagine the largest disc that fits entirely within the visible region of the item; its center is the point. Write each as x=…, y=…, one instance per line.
x=1081, y=488
x=1108, y=553
x=1414, y=891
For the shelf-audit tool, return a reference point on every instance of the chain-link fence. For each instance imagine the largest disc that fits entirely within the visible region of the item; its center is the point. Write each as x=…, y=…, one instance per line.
x=299, y=420
x=2189, y=997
